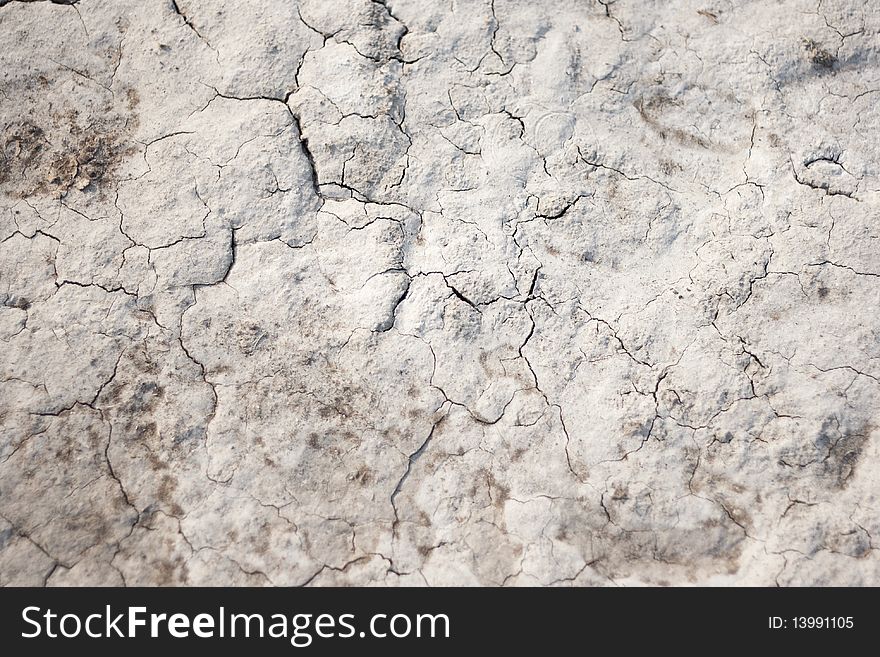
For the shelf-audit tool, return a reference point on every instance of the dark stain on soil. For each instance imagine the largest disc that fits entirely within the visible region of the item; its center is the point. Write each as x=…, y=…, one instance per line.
x=52, y=153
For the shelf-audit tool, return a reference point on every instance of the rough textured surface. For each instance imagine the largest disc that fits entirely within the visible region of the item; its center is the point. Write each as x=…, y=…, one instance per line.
x=416, y=292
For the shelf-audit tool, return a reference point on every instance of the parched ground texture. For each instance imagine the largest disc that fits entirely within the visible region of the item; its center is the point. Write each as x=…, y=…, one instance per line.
x=439, y=292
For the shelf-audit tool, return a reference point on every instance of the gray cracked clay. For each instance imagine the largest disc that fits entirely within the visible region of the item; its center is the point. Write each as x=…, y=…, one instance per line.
x=439, y=293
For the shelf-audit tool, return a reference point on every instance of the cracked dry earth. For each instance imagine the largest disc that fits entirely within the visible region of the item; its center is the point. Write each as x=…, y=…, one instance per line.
x=444, y=293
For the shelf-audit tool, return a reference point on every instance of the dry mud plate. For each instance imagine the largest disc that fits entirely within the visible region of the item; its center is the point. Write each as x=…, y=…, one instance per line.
x=410, y=292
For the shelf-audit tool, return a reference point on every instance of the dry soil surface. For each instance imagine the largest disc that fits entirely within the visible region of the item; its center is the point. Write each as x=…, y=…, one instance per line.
x=439, y=292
